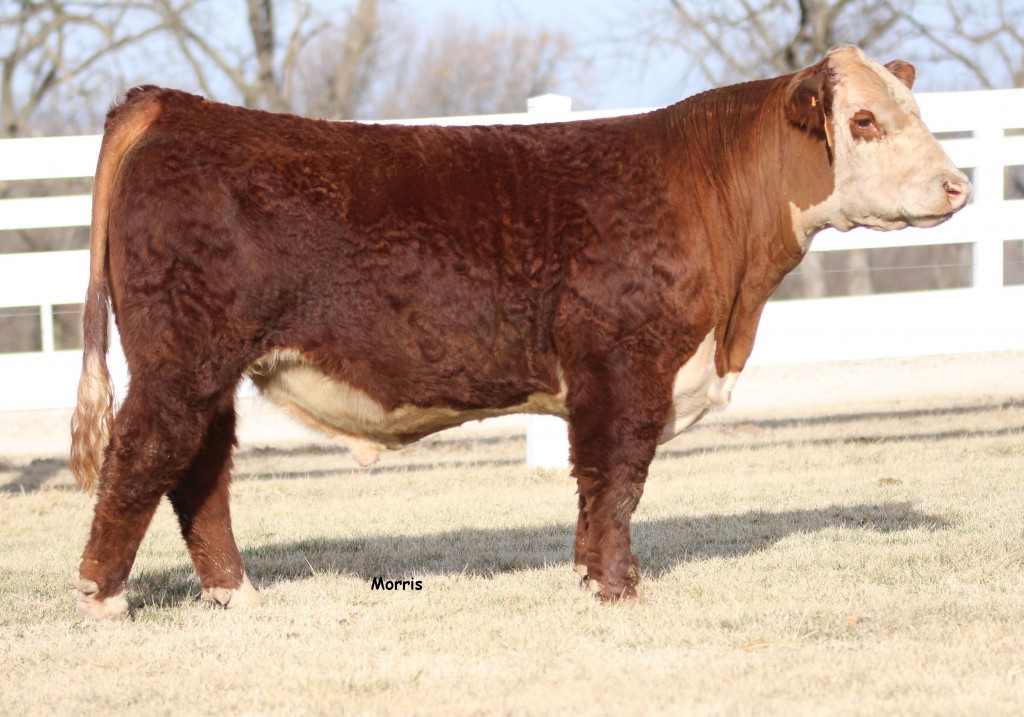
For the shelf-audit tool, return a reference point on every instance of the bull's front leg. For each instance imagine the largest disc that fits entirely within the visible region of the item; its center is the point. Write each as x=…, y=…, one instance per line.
x=616, y=417
x=580, y=543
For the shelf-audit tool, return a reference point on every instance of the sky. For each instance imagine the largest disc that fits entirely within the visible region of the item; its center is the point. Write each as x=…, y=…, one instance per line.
x=591, y=24
x=618, y=79
x=615, y=82
x=664, y=79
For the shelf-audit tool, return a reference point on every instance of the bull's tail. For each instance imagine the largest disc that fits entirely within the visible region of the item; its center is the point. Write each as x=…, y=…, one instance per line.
x=94, y=414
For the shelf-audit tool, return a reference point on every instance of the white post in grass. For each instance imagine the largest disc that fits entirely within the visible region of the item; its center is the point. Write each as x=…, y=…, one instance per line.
x=547, y=442
x=987, y=251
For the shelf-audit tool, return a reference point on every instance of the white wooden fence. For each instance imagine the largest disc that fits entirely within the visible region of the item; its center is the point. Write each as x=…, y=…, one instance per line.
x=986, y=317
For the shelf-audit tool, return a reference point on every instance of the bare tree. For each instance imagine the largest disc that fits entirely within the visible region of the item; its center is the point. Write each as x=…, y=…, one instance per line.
x=50, y=48
x=749, y=39
x=470, y=70
x=262, y=28
x=88, y=51
x=347, y=82
x=261, y=71
x=975, y=46
x=300, y=61
x=343, y=61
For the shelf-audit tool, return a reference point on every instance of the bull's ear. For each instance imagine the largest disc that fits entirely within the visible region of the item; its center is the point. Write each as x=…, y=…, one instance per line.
x=810, y=100
x=809, y=104
x=904, y=72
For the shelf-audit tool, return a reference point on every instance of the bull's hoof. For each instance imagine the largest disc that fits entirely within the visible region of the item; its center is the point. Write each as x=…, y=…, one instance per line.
x=93, y=607
x=241, y=598
x=607, y=593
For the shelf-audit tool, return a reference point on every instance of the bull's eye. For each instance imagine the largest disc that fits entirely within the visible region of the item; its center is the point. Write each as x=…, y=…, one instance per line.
x=864, y=126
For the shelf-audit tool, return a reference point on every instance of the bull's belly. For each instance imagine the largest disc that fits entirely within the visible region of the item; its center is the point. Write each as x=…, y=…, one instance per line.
x=321, y=401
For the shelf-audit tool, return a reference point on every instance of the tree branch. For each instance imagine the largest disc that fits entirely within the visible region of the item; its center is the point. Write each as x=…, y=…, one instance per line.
x=955, y=54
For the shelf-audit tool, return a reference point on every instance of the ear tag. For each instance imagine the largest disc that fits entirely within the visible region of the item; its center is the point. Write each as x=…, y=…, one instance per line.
x=827, y=127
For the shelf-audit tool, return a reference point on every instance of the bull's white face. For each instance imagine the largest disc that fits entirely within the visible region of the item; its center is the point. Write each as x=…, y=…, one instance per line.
x=890, y=172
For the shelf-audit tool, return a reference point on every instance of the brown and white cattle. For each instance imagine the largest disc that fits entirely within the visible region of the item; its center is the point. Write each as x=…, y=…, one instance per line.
x=387, y=282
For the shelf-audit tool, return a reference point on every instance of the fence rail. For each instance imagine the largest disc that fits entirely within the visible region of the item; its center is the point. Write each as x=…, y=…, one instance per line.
x=985, y=317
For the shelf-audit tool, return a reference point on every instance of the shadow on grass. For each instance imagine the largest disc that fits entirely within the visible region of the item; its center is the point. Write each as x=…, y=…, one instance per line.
x=32, y=476
x=905, y=413
x=662, y=545
x=41, y=472
x=880, y=439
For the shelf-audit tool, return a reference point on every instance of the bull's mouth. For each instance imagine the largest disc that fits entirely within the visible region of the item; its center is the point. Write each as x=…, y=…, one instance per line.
x=933, y=220
x=879, y=225
x=902, y=221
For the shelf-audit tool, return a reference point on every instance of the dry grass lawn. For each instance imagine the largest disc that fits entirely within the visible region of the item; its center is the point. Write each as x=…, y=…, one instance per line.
x=854, y=560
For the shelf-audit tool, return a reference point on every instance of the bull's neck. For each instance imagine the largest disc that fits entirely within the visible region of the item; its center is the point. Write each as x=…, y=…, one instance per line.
x=738, y=143
x=758, y=174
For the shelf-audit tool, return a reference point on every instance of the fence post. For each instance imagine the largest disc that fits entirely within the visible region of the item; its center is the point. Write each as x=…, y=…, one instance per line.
x=547, y=442
x=558, y=106
x=987, y=253
x=46, y=327
x=547, y=437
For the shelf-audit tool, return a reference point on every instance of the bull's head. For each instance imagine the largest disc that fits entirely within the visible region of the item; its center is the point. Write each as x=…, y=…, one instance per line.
x=890, y=172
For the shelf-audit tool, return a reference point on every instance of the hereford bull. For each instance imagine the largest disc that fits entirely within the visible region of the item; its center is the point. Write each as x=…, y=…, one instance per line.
x=387, y=282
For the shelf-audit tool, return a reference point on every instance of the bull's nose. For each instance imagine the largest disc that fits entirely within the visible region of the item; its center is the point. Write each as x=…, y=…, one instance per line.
x=958, y=191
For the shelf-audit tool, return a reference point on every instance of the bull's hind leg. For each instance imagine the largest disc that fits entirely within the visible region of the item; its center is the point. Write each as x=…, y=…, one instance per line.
x=201, y=501
x=617, y=411
x=155, y=437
